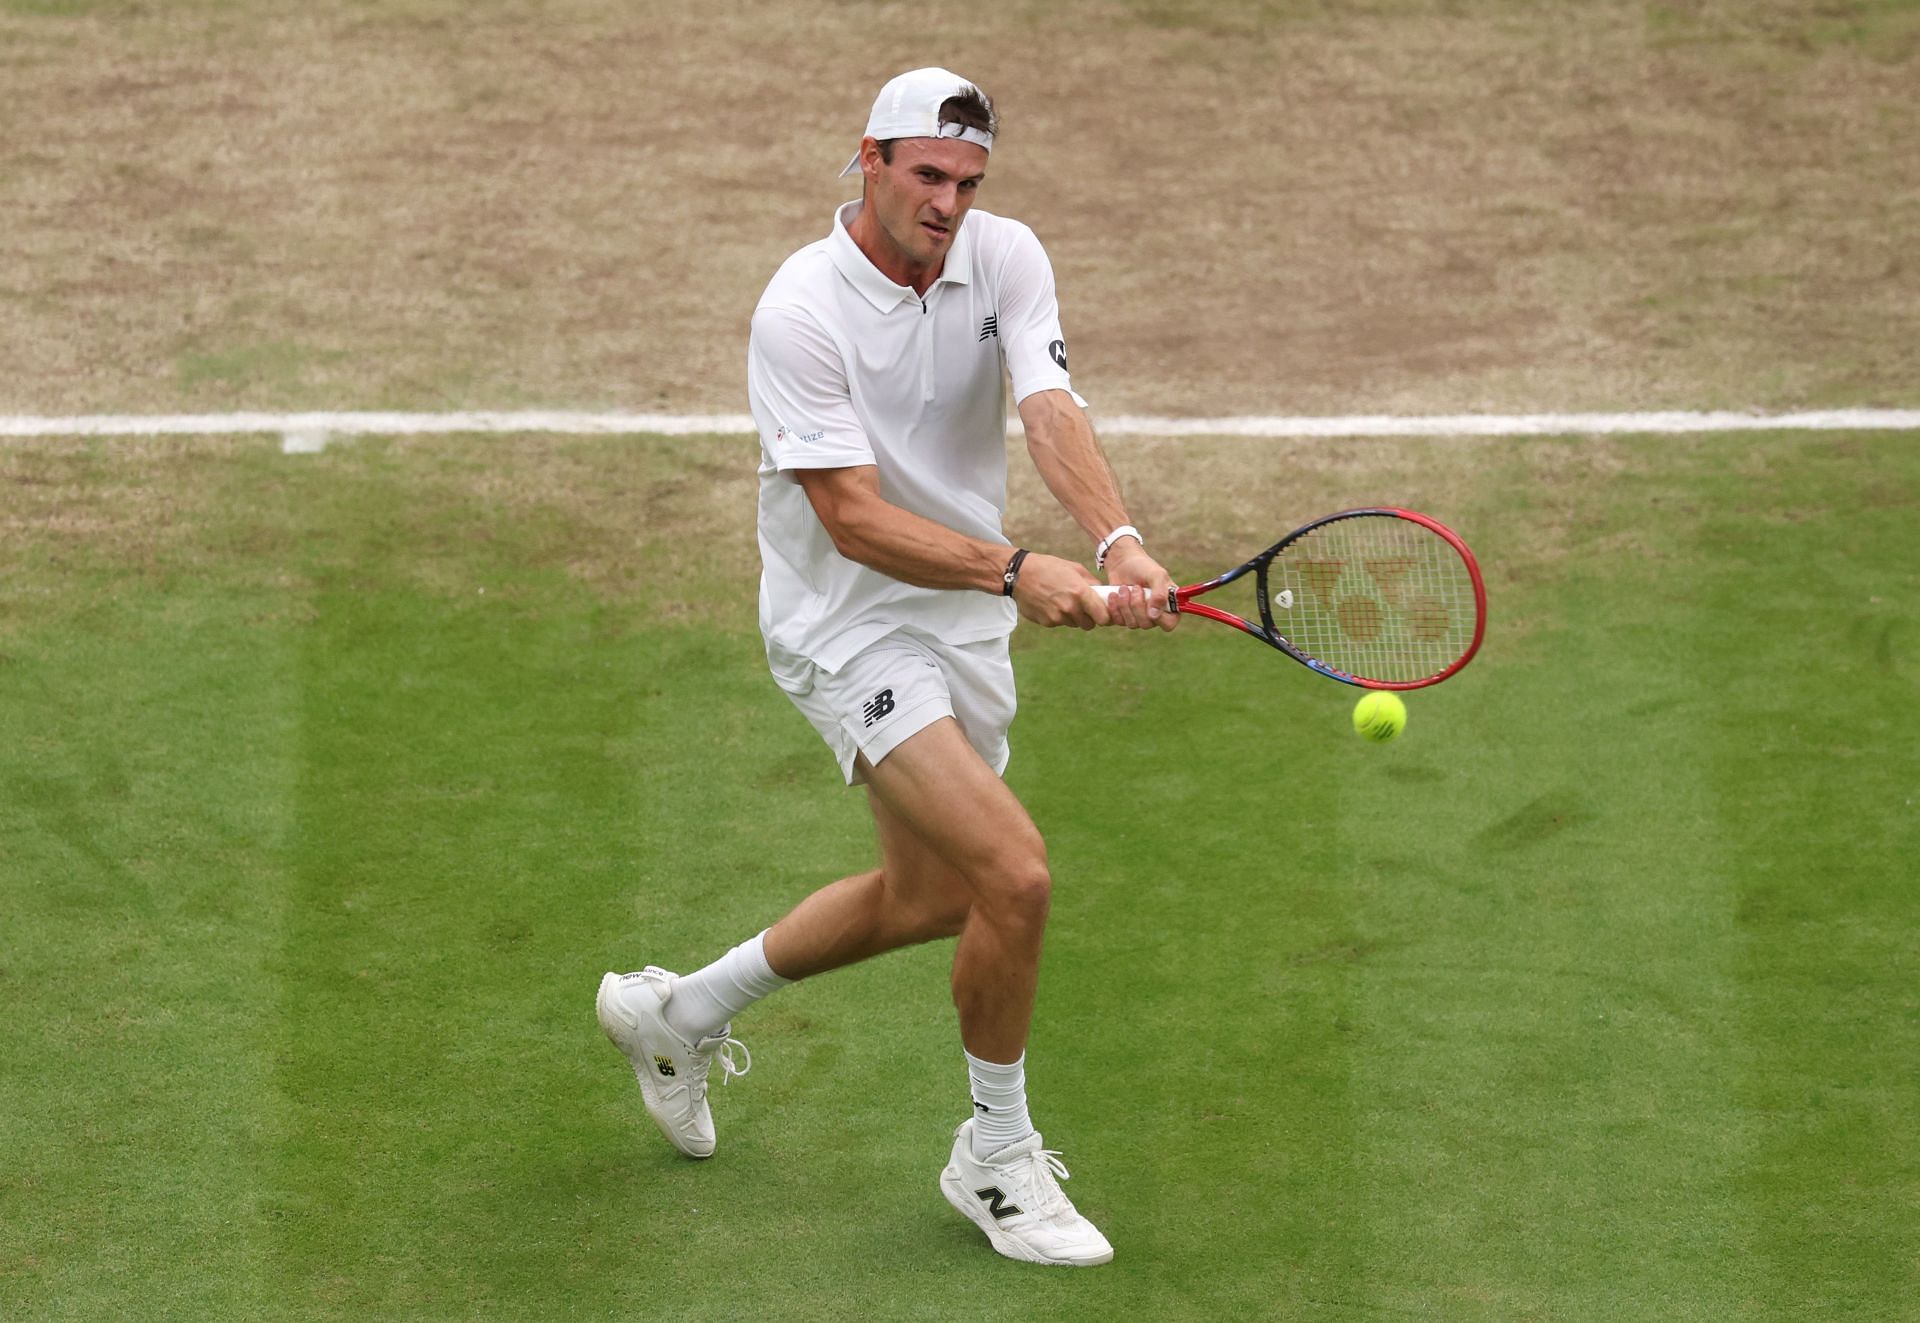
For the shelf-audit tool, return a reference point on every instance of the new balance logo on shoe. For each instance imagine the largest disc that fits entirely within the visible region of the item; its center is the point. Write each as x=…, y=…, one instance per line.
x=996, y=1201
x=881, y=706
x=1014, y=1196
x=664, y=1065
x=991, y=326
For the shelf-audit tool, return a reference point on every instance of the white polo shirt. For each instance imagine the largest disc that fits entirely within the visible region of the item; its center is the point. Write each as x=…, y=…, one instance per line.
x=846, y=368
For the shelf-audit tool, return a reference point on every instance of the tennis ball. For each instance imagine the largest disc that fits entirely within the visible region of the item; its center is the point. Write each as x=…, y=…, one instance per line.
x=1380, y=716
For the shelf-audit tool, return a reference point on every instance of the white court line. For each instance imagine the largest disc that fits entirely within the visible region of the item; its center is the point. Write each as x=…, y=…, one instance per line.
x=1519, y=424
x=311, y=431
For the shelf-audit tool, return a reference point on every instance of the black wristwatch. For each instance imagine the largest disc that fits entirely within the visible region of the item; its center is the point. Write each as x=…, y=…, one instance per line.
x=1012, y=576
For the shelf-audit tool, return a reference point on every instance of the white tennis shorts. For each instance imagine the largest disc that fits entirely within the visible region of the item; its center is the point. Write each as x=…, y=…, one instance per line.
x=897, y=687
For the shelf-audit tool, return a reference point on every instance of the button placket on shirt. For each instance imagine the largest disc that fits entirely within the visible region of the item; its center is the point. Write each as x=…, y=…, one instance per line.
x=926, y=347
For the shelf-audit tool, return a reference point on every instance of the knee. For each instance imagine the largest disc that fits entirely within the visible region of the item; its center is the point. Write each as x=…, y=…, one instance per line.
x=1017, y=887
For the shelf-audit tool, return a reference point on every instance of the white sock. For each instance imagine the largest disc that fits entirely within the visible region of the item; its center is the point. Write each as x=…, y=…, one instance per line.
x=706, y=999
x=999, y=1103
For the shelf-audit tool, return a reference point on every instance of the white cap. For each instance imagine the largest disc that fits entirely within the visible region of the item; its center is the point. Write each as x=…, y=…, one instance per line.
x=909, y=107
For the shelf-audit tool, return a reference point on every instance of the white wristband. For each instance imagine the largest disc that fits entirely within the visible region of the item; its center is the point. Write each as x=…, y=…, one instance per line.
x=1106, y=543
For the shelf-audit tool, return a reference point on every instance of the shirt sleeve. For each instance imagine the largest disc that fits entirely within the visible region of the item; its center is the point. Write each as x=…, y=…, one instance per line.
x=797, y=386
x=1030, y=335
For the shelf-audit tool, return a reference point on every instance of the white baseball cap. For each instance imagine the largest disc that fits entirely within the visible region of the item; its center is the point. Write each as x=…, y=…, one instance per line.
x=909, y=107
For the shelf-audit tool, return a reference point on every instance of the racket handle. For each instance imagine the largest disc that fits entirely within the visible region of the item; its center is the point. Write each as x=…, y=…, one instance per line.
x=1171, y=604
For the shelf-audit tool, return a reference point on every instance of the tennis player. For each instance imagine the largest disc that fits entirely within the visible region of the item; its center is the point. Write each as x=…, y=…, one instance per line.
x=876, y=371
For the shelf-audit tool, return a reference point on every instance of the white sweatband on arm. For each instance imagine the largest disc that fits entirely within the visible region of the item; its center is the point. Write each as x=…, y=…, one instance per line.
x=1106, y=543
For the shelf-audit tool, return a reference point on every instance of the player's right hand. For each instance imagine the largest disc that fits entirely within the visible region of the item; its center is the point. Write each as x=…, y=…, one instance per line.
x=1051, y=591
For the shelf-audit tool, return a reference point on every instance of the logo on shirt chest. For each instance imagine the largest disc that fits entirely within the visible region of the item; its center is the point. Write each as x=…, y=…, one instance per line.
x=990, y=327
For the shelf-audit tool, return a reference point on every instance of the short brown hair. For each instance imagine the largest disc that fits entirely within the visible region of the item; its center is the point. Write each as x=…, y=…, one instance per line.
x=971, y=109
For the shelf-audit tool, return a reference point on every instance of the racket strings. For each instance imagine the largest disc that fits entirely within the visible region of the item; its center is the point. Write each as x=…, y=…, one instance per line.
x=1378, y=597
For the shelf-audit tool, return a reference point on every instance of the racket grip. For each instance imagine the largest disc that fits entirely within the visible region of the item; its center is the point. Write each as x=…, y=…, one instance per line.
x=1171, y=604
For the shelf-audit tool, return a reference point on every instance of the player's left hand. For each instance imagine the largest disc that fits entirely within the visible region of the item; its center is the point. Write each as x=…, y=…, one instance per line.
x=1143, y=604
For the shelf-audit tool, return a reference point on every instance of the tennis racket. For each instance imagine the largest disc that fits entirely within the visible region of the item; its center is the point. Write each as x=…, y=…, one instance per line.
x=1380, y=598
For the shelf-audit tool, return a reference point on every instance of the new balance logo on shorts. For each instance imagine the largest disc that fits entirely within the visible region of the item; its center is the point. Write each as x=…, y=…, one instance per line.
x=991, y=326
x=881, y=706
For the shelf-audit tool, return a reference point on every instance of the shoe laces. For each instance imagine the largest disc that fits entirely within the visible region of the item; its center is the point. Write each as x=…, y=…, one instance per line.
x=726, y=1050
x=1041, y=1172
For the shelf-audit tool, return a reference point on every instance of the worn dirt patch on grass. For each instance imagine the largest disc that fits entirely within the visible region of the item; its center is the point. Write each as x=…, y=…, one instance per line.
x=1286, y=207
x=665, y=525
x=135, y=506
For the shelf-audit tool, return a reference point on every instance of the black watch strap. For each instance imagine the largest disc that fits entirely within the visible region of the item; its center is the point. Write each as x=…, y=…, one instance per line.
x=1012, y=576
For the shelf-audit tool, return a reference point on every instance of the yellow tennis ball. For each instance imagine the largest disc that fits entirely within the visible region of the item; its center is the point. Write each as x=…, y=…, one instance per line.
x=1380, y=716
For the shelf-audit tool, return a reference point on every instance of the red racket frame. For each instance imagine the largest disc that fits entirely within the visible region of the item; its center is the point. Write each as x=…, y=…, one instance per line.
x=1181, y=599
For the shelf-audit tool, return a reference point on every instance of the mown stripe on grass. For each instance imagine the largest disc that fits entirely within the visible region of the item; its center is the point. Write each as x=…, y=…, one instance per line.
x=1197, y=996
x=1551, y=1117
x=1546, y=1119
x=1812, y=661
x=459, y=808
x=145, y=761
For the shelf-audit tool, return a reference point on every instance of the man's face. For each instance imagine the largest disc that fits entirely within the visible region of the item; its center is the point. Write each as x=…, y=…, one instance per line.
x=920, y=198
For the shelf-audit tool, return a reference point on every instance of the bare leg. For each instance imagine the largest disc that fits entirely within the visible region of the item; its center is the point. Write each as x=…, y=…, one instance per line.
x=912, y=897
x=958, y=854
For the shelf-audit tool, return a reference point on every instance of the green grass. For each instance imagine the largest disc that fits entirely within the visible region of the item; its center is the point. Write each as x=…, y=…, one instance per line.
x=275, y=365
x=1593, y=997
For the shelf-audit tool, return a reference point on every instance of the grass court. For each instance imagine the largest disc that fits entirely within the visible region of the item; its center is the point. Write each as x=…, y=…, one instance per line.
x=331, y=783
x=331, y=790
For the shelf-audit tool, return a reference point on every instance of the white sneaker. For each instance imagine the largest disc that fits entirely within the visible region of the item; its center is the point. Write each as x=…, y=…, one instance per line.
x=672, y=1072
x=1015, y=1198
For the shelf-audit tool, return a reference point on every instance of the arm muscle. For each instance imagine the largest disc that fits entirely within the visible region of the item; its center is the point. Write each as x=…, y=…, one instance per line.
x=867, y=528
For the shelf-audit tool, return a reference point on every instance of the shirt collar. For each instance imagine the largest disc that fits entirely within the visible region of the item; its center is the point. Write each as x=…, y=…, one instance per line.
x=864, y=276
